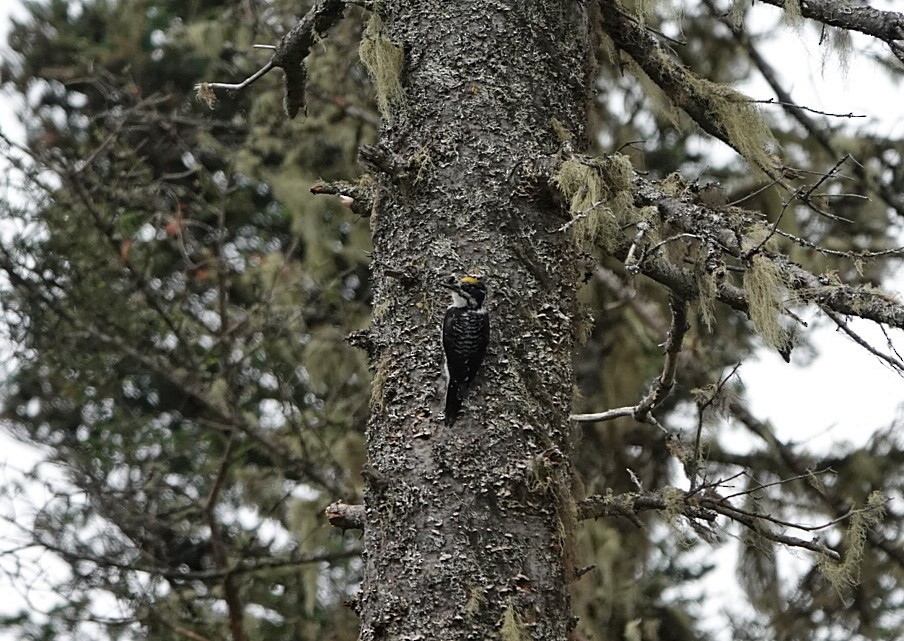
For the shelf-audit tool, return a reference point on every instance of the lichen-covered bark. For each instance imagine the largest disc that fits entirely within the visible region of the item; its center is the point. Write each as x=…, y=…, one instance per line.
x=468, y=527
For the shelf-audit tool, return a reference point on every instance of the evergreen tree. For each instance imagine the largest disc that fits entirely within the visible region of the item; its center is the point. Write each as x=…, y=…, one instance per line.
x=213, y=350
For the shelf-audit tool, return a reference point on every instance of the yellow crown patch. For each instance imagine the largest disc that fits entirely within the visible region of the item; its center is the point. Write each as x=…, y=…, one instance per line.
x=470, y=280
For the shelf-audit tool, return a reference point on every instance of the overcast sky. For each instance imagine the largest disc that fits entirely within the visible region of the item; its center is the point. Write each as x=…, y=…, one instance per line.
x=841, y=396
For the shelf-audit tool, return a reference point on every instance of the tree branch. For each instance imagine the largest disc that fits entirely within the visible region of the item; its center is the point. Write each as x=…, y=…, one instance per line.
x=659, y=391
x=814, y=130
x=289, y=55
x=693, y=506
x=720, y=227
x=838, y=506
x=887, y=26
x=705, y=102
x=345, y=516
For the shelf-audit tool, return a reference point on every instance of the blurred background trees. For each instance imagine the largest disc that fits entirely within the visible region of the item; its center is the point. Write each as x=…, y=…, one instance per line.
x=176, y=304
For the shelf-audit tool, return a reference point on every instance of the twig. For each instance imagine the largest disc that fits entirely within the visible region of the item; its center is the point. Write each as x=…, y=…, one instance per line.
x=581, y=215
x=632, y=265
x=785, y=481
x=608, y=415
x=642, y=412
x=837, y=504
x=203, y=87
x=773, y=101
x=666, y=380
x=896, y=363
x=814, y=130
x=701, y=409
x=852, y=255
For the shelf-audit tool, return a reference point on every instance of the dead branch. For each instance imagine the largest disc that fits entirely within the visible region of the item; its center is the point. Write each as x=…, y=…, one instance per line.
x=642, y=412
x=345, y=516
x=359, y=197
x=289, y=55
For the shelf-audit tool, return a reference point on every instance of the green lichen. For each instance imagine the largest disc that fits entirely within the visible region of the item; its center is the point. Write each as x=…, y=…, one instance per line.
x=846, y=573
x=513, y=626
x=764, y=284
x=633, y=630
x=660, y=102
x=707, y=289
x=706, y=277
x=841, y=44
x=476, y=600
x=737, y=11
x=674, y=502
x=738, y=118
x=422, y=161
x=383, y=60
x=561, y=131
x=673, y=185
x=378, y=383
x=645, y=9
x=599, y=194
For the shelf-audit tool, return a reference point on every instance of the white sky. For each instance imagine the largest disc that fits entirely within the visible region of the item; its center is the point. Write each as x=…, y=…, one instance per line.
x=841, y=396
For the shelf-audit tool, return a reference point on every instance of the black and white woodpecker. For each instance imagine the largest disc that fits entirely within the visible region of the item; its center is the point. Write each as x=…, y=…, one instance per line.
x=466, y=333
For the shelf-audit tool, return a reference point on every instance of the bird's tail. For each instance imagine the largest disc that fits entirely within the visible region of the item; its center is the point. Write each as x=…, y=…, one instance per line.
x=454, y=395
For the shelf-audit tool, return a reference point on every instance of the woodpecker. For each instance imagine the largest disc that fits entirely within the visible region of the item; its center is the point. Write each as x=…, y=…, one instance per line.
x=466, y=333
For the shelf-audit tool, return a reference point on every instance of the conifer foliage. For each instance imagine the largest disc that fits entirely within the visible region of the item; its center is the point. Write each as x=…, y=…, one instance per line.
x=221, y=269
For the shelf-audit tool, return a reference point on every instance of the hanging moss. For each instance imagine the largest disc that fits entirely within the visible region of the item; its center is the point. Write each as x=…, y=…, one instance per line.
x=599, y=195
x=738, y=118
x=792, y=12
x=706, y=277
x=561, y=132
x=632, y=630
x=841, y=43
x=707, y=288
x=764, y=285
x=674, y=502
x=737, y=11
x=645, y=9
x=383, y=59
x=847, y=573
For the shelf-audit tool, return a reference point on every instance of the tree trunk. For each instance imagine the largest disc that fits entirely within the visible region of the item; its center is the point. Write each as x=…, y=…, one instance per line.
x=469, y=527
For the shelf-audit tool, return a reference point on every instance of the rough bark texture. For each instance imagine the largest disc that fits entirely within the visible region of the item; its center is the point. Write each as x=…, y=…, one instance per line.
x=467, y=528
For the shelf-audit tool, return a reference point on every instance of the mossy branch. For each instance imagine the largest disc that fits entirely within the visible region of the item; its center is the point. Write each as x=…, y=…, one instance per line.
x=705, y=506
x=771, y=280
x=719, y=110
